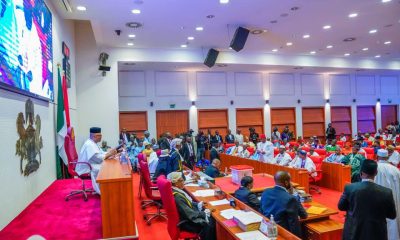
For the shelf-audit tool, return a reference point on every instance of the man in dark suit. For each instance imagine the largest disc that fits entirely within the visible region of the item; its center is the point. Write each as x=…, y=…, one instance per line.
x=217, y=138
x=213, y=169
x=214, y=152
x=230, y=138
x=124, y=136
x=368, y=205
x=285, y=207
x=188, y=153
x=165, y=141
x=245, y=195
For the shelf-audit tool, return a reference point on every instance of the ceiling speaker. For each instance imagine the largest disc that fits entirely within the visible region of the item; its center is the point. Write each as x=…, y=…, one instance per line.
x=239, y=39
x=211, y=57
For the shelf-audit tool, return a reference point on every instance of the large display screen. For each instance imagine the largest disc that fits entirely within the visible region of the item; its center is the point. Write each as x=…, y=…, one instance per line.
x=26, y=47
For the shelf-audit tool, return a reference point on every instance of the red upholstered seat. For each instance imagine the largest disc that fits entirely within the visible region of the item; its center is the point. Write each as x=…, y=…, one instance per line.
x=291, y=154
x=314, y=180
x=168, y=201
x=72, y=157
x=307, y=149
x=251, y=150
x=369, y=143
x=228, y=145
x=276, y=151
x=292, y=144
x=370, y=154
x=340, y=143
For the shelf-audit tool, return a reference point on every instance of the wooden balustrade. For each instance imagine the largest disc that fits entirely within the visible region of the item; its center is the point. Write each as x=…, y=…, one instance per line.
x=335, y=176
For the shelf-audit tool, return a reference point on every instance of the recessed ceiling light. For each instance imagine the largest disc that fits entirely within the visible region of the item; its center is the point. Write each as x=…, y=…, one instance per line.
x=136, y=11
x=190, y=38
x=373, y=31
x=289, y=44
x=81, y=8
x=347, y=54
x=183, y=46
x=350, y=39
x=223, y=1
x=365, y=49
x=313, y=52
x=131, y=35
x=353, y=15
x=306, y=36
x=385, y=1
x=230, y=48
x=199, y=28
x=210, y=16
x=377, y=56
x=327, y=27
x=275, y=50
x=130, y=44
x=222, y=65
x=388, y=42
x=329, y=46
x=257, y=31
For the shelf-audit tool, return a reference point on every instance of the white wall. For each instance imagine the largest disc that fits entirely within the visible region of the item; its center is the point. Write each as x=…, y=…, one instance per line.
x=16, y=190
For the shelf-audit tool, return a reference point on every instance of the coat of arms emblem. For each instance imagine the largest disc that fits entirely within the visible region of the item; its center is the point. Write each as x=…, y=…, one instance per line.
x=30, y=142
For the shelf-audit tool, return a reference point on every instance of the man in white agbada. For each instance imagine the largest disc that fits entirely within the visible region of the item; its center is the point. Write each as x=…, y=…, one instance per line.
x=389, y=176
x=282, y=158
x=394, y=156
x=152, y=161
x=305, y=162
x=265, y=149
x=92, y=154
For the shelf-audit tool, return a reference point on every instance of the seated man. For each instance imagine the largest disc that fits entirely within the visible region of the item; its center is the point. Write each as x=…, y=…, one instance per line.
x=192, y=218
x=354, y=159
x=245, y=195
x=244, y=153
x=280, y=203
x=92, y=154
x=282, y=158
x=152, y=161
x=331, y=147
x=335, y=157
x=305, y=162
x=394, y=156
x=213, y=169
x=313, y=152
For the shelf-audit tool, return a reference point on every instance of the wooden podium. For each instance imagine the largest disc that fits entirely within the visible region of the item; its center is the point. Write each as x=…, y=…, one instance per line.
x=117, y=209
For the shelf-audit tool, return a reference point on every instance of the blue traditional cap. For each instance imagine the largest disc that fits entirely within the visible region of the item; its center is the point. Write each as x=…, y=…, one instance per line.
x=95, y=130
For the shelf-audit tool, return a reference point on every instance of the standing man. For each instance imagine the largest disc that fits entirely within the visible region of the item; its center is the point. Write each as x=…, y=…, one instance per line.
x=188, y=153
x=91, y=157
x=217, y=139
x=214, y=152
x=276, y=137
x=165, y=141
x=230, y=138
x=253, y=135
x=239, y=136
x=146, y=137
x=280, y=202
x=354, y=159
x=124, y=136
x=389, y=176
x=201, y=145
x=265, y=149
x=367, y=205
x=330, y=132
x=285, y=135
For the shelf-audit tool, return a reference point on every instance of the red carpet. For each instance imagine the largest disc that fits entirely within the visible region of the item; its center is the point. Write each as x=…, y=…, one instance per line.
x=330, y=198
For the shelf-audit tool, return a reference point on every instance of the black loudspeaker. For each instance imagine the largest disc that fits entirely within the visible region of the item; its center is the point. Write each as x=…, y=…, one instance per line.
x=239, y=39
x=211, y=57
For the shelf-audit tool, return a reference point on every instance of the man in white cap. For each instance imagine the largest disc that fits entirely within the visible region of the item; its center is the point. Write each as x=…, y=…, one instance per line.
x=192, y=217
x=389, y=176
x=175, y=158
x=146, y=138
x=265, y=149
x=306, y=163
x=91, y=156
x=394, y=156
x=282, y=158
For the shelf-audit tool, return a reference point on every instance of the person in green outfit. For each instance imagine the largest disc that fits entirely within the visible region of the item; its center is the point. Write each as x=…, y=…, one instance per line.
x=331, y=147
x=354, y=159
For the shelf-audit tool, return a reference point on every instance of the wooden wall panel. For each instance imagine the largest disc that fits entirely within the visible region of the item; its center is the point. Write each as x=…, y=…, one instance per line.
x=341, y=120
x=313, y=122
x=133, y=122
x=250, y=117
x=174, y=121
x=366, y=119
x=389, y=114
x=280, y=117
x=213, y=119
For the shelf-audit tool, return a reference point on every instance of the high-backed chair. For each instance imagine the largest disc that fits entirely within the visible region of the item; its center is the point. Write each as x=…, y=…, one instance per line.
x=340, y=144
x=370, y=154
x=321, y=152
x=314, y=180
x=72, y=157
x=152, y=193
x=307, y=149
x=140, y=158
x=168, y=201
x=276, y=151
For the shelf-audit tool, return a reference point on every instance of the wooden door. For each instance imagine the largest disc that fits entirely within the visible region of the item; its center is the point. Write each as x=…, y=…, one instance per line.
x=341, y=120
x=389, y=114
x=213, y=119
x=314, y=122
x=174, y=121
x=366, y=119
x=133, y=122
x=250, y=117
x=281, y=117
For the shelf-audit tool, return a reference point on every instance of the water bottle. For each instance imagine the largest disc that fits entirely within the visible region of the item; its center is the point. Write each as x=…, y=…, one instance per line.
x=123, y=157
x=272, y=229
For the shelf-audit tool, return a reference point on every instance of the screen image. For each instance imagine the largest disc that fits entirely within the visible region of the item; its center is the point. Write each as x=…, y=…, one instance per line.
x=26, y=47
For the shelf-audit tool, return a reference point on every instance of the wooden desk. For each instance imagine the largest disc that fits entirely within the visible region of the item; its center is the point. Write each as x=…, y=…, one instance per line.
x=117, y=210
x=261, y=182
x=318, y=217
x=299, y=176
x=228, y=233
x=335, y=176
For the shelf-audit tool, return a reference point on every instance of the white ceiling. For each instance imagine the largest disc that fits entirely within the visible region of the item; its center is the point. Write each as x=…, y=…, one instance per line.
x=168, y=23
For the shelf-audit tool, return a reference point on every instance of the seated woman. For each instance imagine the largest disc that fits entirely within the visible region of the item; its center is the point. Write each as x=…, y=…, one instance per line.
x=245, y=195
x=192, y=218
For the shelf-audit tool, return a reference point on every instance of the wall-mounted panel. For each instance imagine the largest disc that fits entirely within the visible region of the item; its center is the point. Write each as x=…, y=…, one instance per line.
x=389, y=85
x=133, y=122
x=171, y=84
x=213, y=119
x=131, y=84
x=250, y=117
x=389, y=114
x=341, y=120
x=281, y=117
x=313, y=122
x=366, y=119
x=365, y=85
x=339, y=85
x=312, y=84
x=175, y=122
x=211, y=83
x=281, y=84
x=248, y=84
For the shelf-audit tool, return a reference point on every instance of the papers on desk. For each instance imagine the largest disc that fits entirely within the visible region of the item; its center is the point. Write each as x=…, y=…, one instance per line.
x=252, y=235
x=219, y=202
x=204, y=193
x=247, y=218
x=191, y=185
x=315, y=210
x=228, y=213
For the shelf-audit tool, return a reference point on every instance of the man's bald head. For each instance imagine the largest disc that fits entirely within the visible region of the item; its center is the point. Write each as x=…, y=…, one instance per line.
x=282, y=178
x=216, y=163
